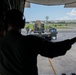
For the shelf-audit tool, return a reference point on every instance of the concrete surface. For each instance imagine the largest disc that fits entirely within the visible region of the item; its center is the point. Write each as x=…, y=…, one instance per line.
x=62, y=64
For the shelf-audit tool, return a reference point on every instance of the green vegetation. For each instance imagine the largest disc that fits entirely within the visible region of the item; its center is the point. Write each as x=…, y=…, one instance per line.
x=31, y=26
x=57, y=26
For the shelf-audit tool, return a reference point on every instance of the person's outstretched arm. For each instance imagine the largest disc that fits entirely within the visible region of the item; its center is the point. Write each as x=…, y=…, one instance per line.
x=51, y=49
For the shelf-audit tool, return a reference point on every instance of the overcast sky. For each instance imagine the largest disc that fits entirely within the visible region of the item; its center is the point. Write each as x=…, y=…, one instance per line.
x=39, y=12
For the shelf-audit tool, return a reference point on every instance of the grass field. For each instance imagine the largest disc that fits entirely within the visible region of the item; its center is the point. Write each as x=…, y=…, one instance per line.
x=57, y=26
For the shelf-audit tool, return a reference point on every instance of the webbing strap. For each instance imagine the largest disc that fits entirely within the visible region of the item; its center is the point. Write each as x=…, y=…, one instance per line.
x=52, y=66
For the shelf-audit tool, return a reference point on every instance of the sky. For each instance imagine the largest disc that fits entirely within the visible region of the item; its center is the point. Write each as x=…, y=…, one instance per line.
x=39, y=12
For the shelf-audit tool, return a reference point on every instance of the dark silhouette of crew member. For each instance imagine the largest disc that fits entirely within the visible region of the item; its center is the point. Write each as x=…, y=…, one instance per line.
x=18, y=53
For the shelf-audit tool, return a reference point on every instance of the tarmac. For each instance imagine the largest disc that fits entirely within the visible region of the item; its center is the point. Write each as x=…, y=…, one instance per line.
x=58, y=65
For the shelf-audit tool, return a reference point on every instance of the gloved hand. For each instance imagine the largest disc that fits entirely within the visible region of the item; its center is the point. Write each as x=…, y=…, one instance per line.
x=73, y=40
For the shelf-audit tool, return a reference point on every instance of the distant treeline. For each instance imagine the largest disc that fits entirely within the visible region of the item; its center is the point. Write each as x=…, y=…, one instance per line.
x=55, y=22
x=66, y=23
x=61, y=22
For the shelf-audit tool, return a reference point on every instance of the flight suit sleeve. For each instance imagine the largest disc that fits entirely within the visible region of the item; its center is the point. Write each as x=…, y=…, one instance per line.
x=51, y=49
x=54, y=49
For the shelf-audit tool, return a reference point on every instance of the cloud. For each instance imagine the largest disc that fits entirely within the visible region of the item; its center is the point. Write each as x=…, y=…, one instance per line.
x=63, y=18
x=72, y=13
x=69, y=16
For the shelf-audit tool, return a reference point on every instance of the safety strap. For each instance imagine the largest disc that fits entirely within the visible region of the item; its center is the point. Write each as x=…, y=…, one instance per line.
x=52, y=66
